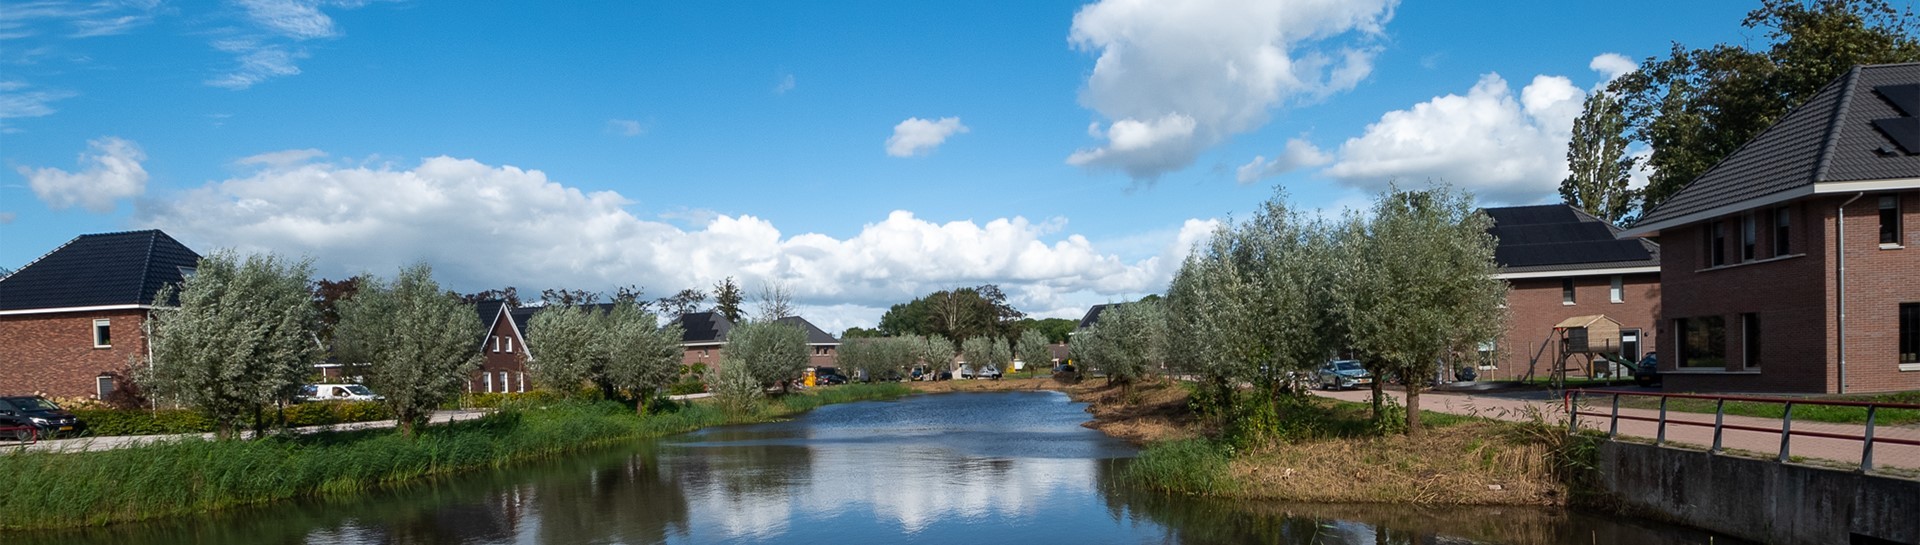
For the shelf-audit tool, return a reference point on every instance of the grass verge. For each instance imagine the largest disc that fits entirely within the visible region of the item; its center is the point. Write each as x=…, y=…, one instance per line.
x=172, y=478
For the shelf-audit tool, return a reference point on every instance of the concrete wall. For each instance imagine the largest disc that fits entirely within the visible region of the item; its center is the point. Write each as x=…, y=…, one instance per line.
x=1761, y=500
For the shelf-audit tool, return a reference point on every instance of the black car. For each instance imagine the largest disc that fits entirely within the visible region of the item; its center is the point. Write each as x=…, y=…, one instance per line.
x=1647, y=373
x=826, y=376
x=17, y=429
x=51, y=419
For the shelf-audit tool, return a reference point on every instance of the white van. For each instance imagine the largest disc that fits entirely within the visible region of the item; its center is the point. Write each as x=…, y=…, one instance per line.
x=337, y=392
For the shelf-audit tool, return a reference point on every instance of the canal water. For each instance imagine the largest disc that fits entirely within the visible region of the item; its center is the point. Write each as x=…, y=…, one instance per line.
x=978, y=468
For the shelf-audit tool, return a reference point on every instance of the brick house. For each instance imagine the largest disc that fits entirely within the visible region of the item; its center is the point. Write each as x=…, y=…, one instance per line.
x=1560, y=262
x=823, y=348
x=1787, y=265
x=503, y=367
x=74, y=321
x=704, y=337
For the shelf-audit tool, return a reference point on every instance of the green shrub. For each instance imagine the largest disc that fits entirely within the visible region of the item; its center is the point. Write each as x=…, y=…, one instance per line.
x=143, y=422
x=1193, y=466
x=688, y=386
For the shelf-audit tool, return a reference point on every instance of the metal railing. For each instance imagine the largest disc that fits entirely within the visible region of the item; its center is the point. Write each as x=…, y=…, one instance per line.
x=1572, y=398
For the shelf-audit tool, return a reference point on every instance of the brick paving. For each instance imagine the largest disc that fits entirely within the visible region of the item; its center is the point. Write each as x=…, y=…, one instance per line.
x=1517, y=408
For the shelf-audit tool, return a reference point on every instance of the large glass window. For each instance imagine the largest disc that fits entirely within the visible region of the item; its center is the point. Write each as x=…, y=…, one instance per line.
x=1890, y=219
x=1749, y=237
x=1909, y=332
x=1781, y=228
x=1703, y=341
x=1750, y=339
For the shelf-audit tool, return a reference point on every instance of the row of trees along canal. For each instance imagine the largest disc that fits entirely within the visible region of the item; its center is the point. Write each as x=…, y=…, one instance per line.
x=248, y=330
x=1404, y=286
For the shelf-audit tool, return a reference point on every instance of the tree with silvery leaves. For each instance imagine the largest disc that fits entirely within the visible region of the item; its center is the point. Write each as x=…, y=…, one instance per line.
x=240, y=339
x=420, y=345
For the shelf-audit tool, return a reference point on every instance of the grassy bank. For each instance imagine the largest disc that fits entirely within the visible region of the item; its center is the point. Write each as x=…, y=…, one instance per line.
x=1322, y=450
x=47, y=490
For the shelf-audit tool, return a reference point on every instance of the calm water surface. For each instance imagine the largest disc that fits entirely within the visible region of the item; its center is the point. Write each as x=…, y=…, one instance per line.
x=988, y=468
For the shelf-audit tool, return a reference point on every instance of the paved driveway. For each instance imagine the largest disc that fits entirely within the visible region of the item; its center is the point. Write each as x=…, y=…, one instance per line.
x=1519, y=406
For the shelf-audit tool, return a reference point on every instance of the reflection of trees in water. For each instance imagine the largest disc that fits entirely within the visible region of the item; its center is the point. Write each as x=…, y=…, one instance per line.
x=747, y=488
x=1196, y=521
x=629, y=502
x=479, y=507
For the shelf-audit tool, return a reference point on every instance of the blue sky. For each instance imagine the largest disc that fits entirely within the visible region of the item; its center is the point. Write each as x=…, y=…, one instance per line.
x=860, y=152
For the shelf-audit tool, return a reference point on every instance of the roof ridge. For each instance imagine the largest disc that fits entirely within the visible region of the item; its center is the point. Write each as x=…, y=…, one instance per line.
x=1833, y=127
x=146, y=265
x=1771, y=126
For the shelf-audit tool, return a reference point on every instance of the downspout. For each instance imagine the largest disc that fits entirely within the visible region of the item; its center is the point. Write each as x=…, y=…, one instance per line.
x=1840, y=282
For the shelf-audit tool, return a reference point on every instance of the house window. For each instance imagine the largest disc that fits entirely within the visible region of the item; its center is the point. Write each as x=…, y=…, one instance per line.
x=504, y=385
x=489, y=378
x=1780, y=232
x=509, y=344
x=1909, y=332
x=1618, y=291
x=1566, y=291
x=102, y=334
x=1716, y=244
x=1749, y=236
x=496, y=343
x=1703, y=341
x=1890, y=219
x=523, y=381
x=1750, y=339
x=103, y=386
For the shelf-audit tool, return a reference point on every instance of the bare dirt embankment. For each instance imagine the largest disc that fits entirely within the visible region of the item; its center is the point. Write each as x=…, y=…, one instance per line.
x=1457, y=461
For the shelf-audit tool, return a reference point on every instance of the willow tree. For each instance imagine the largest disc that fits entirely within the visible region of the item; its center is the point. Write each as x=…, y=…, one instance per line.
x=1032, y=349
x=986, y=352
x=640, y=356
x=936, y=352
x=1128, y=343
x=570, y=341
x=774, y=353
x=241, y=338
x=419, y=344
x=1426, y=291
x=1253, y=305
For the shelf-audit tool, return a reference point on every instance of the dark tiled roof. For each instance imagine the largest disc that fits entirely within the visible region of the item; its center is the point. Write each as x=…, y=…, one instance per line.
x=488, y=311
x=1829, y=138
x=704, y=327
x=814, y=334
x=125, y=268
x=1554, y=237
x=1093, y=316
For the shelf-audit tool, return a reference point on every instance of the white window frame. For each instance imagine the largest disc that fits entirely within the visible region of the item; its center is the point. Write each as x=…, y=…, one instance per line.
x=496, y=343
x=103, y=385
x=523, y=381
x=506, y=385
x=108, y=325
x=509, y=343
x=1618, y=291
x=489, y=378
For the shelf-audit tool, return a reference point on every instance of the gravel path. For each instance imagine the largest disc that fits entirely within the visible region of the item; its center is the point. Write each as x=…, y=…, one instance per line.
x=85, y=444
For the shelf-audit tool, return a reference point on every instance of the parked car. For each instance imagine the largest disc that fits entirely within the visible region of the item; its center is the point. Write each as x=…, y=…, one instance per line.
x=1344, y=374
x=988, y=373
x=828, y=376
x=1647, y=373
x=966, y=372
x=17, y=429
x=337, y=392
x=50, y=419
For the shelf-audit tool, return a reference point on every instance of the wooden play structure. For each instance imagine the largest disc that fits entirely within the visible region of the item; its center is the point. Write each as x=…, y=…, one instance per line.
x=1596, y=337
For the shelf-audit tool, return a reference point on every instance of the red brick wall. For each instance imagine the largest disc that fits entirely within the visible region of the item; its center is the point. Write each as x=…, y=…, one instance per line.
x=709, y=355
x=1535, y=305
x=53, y=354
x=500, y=356
x=823, y=356
x=1795, y=299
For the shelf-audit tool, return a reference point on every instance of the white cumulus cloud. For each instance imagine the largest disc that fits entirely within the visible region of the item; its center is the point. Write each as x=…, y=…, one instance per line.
x=110, y=171
x=1612, y=65
x=485, y=226
x=1297, y=155
x=917, y=136
x=281, y=159
x=1175, y=78
x=1505, y=147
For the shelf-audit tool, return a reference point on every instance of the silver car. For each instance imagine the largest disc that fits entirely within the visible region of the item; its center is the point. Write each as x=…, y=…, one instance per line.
x=1344, y=374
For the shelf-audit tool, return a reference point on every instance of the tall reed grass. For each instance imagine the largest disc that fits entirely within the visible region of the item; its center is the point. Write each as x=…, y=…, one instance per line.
x=52, y=490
